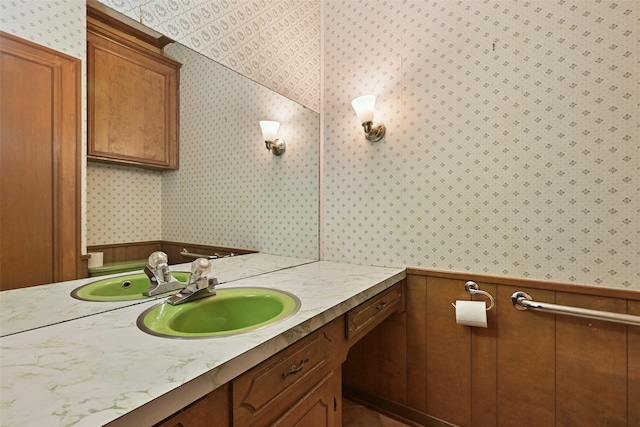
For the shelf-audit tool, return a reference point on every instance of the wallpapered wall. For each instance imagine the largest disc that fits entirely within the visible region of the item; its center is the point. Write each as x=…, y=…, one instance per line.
x=230, y=190
x=512, y=137
x=275, y=43
x=512, y=144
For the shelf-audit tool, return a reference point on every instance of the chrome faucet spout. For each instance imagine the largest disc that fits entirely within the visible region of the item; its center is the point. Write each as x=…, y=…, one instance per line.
x=190, y=293
x=199, y=286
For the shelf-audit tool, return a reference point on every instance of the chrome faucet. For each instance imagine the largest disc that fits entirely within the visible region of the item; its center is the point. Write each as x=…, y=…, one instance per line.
x=200, y=286
x=161, y=279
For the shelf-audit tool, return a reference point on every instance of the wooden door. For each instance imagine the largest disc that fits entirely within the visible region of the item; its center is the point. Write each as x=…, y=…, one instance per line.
x=39, y=164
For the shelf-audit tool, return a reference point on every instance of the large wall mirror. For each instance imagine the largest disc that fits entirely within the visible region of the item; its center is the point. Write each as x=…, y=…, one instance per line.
x=229, y=190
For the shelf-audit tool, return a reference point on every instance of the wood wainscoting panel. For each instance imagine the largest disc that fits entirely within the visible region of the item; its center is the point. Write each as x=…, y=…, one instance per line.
x=484, y=368
x=591, y=359
x=633, y=361
x=448, y=354
x=526, y=368
x=133, y=251
x=526, y=362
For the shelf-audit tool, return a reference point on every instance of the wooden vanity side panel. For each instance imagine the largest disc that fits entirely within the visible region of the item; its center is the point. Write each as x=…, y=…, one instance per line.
x=416, y=342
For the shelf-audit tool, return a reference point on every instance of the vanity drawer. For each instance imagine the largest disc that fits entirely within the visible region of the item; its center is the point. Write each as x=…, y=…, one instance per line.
x=262, y=394
x=371, y=313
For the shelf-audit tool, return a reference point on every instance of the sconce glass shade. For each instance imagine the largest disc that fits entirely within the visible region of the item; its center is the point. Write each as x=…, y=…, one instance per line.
x=364, y=106
x=269, y=132
x=269, y=129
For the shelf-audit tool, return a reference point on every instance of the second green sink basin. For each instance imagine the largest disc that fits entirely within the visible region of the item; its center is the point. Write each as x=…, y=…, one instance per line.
x=231, y=311
x=121, y=288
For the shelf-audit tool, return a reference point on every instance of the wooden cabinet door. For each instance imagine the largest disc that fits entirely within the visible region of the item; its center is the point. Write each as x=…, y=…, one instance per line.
x=132, y=102
x=39, y=164
x=320, y=407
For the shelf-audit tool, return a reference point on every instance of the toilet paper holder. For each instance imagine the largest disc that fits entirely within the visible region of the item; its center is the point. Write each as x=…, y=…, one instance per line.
x=473, y=288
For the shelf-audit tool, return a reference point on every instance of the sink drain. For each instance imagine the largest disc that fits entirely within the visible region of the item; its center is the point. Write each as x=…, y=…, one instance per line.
x=126, y=284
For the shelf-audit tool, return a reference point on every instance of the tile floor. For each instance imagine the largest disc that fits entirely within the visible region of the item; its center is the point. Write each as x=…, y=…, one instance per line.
x=355, y=415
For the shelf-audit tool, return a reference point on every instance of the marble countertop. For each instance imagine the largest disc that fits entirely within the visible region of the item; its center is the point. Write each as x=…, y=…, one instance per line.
x=37, y=306
x=101, y=369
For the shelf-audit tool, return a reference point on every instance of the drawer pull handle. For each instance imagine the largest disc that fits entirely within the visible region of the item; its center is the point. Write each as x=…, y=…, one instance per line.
x=294, y=370
x=381, y=305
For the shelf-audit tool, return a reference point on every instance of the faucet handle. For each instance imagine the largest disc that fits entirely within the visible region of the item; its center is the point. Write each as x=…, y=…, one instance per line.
x=200, y=267
x=157, y=258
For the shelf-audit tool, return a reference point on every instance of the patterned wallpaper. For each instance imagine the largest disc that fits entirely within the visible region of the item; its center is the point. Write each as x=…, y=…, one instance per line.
x=124, y=204
x=512, y=137
x=230, y=190
x=275, y=43
x=512, y=142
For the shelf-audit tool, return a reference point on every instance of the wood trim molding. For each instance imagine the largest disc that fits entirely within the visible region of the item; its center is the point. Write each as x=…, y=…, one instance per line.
x=131, y=251
x=529, y=283
x=393, y=409
x=158, y=41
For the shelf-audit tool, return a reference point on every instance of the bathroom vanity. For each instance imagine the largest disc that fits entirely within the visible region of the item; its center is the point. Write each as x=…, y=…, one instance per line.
x=101, y=369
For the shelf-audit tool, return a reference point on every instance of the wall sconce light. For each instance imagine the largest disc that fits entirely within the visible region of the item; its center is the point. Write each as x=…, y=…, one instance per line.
x=363, y=106
x=269, y=132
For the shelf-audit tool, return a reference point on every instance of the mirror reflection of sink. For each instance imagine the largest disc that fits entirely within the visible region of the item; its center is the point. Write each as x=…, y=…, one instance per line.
x=231, y=311
x=121, y=288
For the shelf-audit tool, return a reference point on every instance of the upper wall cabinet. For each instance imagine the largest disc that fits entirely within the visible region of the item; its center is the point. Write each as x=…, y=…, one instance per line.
x=132, y=95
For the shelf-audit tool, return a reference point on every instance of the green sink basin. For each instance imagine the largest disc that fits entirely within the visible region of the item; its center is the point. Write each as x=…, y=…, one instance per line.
x=231, y=311
x=122, y=288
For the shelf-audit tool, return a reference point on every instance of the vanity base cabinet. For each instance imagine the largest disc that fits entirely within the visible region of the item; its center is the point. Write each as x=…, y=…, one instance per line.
x=320, y=407
x=301, y=385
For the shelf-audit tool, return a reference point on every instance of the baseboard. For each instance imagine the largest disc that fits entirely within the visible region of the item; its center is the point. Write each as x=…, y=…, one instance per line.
x=393, y=409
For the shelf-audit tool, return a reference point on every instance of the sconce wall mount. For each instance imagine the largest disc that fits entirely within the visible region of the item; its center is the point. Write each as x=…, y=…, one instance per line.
x=374, y=131
x=269, y=131
x=364, y=107
x=277, y=146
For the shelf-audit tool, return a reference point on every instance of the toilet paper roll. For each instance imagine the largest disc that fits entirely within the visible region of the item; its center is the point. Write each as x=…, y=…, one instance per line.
x=471, y=313
x=96, y=259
